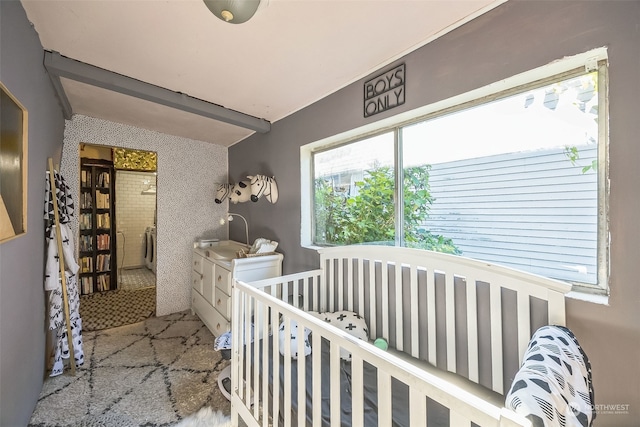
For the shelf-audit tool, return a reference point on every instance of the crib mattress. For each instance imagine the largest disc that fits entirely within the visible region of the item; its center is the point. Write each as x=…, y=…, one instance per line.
x=437, y=415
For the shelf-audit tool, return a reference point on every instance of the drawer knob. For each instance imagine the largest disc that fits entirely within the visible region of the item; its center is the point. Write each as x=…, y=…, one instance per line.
x=219, y=301
x=218, y=327
x=219, y=278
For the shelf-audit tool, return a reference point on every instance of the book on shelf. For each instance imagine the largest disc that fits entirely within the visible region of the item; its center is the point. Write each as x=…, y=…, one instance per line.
x=103, y=282
x=103, y=220
x=85, y=221
x=86, y=264
x=85, y=178
x=102, y=201
x=102, y=262
x=103, y=242
x=86, y=243
x=86, y=201
x=104, y=179
x=86, y=284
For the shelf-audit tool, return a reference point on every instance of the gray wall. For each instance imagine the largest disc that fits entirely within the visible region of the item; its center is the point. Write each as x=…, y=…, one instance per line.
x=515, y=37
x=22, y=314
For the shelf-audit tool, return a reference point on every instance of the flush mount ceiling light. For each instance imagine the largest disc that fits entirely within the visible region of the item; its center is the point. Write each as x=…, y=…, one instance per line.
x=233, y=11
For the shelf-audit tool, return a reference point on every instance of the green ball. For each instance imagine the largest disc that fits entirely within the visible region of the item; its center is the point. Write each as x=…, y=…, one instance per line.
x=381, y=343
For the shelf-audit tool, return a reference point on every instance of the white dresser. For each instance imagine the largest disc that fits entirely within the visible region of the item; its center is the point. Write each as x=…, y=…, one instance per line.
x=211, y=282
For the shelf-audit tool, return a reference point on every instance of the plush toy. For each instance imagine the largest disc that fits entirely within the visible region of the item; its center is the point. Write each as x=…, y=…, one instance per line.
x=223, y=191
x=262, y=185
x=350, y=322
x=241, y=192
x=295, y=336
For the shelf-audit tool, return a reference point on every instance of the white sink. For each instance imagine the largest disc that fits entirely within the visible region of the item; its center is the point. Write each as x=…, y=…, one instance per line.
x=225, y=250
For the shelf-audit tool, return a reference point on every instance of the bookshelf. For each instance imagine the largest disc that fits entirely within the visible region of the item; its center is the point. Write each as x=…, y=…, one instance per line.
x=96, y=219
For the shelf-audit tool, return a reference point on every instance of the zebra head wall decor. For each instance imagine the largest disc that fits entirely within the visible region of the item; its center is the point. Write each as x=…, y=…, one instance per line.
x=262, y=185
x=240, y=192
x=223, y=191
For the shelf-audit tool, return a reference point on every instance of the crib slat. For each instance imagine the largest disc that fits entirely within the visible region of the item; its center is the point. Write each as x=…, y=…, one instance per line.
x=287, y=372
x=524, y=324
x=340, y=281
x=556, y=308
x=350, y=284
x=418, y=408
x=357, y=390
x=384, y=267
x=431, y=315
x=373, y=301
x=256, y=355
x=305, y=294
x=457, y=419
x=317, y=375
x=334, y=368
x=301, y=363
x=264, y=398
x=398, y=308
x=384, y=398
x=415, y=335
x=495, y=308
x=472, y=328
x=275, y=362
x=451, y=321
x=331, y=284
x=360, y=267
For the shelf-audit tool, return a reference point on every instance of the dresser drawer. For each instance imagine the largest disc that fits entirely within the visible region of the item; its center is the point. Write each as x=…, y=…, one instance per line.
x=196, y=263
x=222, y=279
x=223, y=304
x=196, y=281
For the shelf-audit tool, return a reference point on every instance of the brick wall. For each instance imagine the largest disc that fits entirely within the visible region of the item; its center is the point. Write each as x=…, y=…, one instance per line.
x=134, y=213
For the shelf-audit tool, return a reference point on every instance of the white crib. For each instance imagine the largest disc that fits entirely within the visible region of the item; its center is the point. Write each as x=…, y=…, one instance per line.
x=457, y=329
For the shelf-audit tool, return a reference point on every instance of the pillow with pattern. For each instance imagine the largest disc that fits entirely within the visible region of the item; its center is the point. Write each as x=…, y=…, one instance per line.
x=351, y=323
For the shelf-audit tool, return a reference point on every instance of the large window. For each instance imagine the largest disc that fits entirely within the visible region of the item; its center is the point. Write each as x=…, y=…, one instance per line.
x=516, y=177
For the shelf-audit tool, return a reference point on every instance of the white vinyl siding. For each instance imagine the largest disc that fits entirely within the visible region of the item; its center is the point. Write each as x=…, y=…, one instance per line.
x=524, y=210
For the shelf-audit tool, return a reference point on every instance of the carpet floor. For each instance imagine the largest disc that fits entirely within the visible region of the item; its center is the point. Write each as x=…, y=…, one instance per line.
x=104, y=310
x=152, y=373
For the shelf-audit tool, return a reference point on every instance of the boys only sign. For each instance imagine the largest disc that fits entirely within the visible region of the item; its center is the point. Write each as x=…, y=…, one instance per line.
x=385, y=91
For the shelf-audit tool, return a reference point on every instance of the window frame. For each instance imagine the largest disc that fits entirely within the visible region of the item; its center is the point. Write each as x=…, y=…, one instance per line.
x=594, y=60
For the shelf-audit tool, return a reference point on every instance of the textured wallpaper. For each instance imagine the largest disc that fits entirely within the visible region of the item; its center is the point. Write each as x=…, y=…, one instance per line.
x=187, y=173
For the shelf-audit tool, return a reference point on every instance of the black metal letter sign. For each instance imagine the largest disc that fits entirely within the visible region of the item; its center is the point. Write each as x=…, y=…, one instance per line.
x=385, y=91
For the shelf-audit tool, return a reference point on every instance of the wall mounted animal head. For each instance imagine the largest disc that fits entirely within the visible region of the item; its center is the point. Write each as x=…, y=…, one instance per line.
x=262, y=185
x=223, y=191
x=241, y=192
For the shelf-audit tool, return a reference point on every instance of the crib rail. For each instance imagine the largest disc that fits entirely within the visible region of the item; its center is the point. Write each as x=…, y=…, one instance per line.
x=258, y=314
x=466, y=316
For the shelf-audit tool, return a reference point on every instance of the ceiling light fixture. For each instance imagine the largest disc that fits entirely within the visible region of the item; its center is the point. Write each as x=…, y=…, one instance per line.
x=233, y=11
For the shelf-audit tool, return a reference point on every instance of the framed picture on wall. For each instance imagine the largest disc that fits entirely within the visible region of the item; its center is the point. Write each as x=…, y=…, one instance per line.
x=13, y=166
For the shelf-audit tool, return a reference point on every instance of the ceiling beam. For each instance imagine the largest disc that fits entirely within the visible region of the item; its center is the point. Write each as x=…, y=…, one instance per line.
x=60, y=66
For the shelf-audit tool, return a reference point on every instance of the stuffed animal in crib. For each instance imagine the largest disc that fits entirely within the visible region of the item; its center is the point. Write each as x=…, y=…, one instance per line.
x=223, y=191
x=262, y=185
x=240, y=192
x=295, y=336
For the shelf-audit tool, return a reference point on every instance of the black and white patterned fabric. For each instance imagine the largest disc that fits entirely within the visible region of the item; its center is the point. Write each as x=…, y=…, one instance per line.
x=553, y=387
x=66, y=207
x=52, y=281
x=293, y=341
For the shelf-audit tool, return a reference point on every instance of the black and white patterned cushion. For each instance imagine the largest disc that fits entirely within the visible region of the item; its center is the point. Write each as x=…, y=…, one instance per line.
x=553, y=387
x=293, y=342
x=351, y=323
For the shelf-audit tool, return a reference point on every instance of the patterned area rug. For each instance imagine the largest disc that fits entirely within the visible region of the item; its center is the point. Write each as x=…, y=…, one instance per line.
x=154, y=373
x=111, y=309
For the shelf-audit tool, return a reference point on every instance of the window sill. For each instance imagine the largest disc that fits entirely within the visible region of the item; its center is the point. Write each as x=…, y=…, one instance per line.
x=588, y=297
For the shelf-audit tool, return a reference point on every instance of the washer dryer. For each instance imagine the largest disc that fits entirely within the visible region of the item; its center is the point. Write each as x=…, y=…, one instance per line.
x=149, y=248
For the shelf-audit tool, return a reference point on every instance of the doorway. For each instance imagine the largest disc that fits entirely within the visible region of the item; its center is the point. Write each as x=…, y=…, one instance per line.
x=130, y=233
